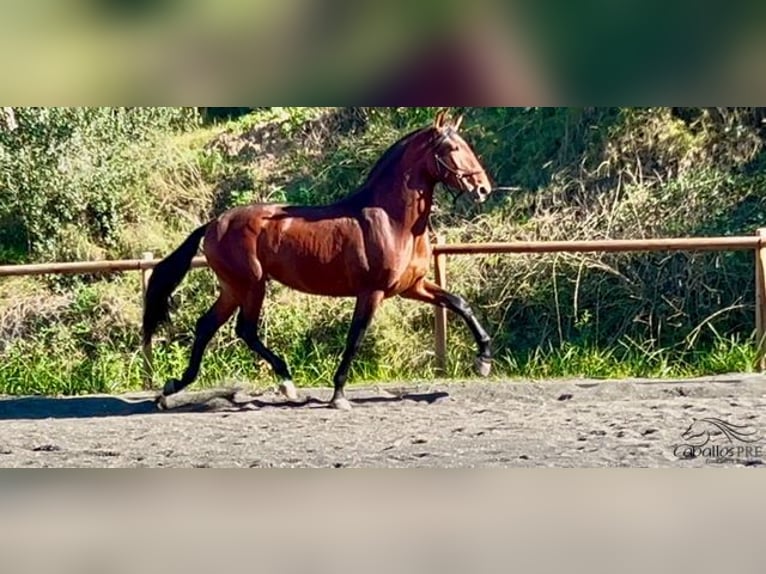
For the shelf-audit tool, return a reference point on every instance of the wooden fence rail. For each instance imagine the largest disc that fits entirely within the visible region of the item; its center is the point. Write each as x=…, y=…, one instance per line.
x=755, y=243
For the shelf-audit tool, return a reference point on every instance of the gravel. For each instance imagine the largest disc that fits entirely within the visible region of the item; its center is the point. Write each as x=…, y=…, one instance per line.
x=563, y=423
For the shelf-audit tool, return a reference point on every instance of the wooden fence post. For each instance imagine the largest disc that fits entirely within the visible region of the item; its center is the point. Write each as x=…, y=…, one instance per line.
x=440, y=313
x=760, y=301
x=146, y=350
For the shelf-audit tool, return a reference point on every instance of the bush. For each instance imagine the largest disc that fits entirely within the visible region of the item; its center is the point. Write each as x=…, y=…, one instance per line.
x=81, y=168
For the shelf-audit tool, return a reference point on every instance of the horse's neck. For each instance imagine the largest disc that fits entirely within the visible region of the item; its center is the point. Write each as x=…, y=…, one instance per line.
x=407, y=198
x=403, y=189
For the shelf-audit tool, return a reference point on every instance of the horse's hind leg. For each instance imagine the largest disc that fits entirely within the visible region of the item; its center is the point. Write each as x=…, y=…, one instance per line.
x=247, y=330
x=207, y=326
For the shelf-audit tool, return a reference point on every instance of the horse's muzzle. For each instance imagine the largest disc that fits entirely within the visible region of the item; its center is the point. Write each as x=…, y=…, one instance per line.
x=480, y=193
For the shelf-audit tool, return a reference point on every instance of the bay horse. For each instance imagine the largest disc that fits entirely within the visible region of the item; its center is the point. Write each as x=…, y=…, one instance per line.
x=372, y=244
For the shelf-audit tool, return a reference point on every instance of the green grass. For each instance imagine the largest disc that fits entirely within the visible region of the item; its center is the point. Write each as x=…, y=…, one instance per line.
x=32, y=369
x=629, y=359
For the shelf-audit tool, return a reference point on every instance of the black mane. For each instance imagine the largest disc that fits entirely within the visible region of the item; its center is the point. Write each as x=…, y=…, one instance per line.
x=384, y=165
x=392, y=155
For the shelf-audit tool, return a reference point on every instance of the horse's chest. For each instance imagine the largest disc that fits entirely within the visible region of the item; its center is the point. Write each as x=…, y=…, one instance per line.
x=411, y=265
x=393, y=256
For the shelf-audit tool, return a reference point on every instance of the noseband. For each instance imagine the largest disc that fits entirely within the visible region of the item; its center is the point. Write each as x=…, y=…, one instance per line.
x=460, y=174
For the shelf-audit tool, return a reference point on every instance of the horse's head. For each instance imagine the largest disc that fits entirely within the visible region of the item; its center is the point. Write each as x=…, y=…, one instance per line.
x=455, y=163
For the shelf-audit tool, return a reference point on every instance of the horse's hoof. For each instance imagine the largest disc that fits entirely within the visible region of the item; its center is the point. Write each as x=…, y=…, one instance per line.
x=483, y=366
x=342, y=404
x=287, y=388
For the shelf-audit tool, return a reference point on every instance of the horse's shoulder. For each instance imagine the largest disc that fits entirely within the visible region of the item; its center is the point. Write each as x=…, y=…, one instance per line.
x=374, y=216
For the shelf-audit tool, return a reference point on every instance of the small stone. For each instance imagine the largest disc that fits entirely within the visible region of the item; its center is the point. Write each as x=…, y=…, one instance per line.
x=47, y=448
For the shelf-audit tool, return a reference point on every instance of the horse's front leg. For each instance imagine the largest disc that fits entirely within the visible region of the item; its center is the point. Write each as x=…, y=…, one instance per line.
x=365, y=308
x=429, y=292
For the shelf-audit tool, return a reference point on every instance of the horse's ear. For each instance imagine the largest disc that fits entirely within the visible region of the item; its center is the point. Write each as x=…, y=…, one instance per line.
x=458, y=122
x=439, y=120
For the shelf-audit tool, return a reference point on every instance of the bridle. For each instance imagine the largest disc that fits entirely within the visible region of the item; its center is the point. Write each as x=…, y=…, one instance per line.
x=458, y=173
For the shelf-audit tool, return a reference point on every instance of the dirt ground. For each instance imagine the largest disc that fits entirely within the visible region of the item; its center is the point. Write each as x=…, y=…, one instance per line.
x=574, y=423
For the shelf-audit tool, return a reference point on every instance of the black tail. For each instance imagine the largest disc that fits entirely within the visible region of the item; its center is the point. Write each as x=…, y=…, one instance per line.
x=167, y=275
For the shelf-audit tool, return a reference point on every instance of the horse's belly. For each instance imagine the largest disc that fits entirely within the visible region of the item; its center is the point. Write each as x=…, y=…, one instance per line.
x=312, y=275
x=316, y=258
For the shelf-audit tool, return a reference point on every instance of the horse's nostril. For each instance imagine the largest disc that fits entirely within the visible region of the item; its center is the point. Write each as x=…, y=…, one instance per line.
x=481, y=193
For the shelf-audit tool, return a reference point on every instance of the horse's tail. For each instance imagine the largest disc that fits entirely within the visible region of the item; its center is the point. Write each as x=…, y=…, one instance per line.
x=167, y=275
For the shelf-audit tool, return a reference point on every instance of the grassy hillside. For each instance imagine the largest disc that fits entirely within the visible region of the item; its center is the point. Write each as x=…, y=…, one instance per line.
x=114, y=183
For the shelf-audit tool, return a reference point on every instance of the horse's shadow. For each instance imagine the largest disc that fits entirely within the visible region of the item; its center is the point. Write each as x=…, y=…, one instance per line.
x=222, y=400
x=37, y=408
x=311, y=401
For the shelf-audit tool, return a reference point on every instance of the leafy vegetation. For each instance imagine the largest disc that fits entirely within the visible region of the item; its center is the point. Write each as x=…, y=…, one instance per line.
x=86, y=183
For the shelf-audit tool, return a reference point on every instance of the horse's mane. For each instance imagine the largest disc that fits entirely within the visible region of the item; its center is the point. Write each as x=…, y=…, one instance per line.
x=387, y=160
x=392, y=155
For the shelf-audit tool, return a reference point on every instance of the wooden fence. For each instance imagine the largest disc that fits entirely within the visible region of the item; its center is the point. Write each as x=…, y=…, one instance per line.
x=755, y=243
